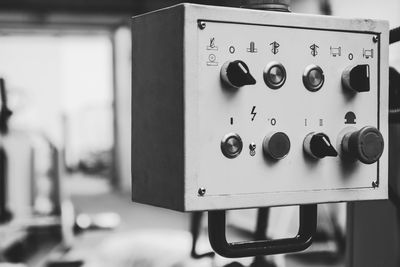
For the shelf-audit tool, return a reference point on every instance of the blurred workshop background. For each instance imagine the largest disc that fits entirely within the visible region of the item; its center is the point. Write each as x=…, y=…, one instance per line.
x=65, y=151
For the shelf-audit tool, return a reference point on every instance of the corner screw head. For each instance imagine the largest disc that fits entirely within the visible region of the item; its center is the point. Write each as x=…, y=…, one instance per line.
x=375, y=39
x=201, y=25
x=202, y=191
x=375, y=184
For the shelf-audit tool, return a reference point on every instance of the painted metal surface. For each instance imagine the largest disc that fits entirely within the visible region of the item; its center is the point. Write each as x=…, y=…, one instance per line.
x=208, y=111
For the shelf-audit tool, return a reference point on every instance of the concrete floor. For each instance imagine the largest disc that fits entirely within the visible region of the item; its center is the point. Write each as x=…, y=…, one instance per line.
x=144, y=233
x=141, y=226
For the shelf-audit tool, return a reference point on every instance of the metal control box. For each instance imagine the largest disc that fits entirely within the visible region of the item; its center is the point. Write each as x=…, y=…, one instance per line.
x=235, y=108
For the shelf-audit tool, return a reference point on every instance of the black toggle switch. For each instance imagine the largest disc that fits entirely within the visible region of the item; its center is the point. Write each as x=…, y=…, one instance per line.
x=366, y=145
x=236, y=74
x=318, y=146
x=356, y=78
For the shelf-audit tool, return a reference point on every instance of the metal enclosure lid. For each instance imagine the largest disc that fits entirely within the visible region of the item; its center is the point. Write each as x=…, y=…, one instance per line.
x=171, y=82
x=196, y=13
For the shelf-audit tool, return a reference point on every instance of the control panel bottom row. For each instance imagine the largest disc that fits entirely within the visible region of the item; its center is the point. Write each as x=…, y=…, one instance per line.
x=365, y=145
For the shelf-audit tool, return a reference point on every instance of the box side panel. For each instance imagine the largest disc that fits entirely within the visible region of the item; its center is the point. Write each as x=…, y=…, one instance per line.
x=384, y=106
x=157, y=109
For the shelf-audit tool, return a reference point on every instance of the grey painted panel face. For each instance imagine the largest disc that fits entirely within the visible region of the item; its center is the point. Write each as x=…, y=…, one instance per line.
x=303, y=96
x=314, y=53
x=257, y=110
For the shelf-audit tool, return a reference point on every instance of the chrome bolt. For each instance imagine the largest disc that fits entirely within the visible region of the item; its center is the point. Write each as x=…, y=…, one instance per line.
x=202, y=191
x=201, y=25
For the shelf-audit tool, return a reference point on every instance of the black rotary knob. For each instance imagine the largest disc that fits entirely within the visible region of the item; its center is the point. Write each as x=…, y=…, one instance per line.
x=366, y=145
x=318, y=145
x=236, y=74
x=356, y=78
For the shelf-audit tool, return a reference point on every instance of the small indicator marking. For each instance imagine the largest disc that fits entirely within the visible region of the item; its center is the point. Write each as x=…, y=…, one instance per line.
x=351, y=56
x=336, y=51
x=368, y=53
x=252, y=148
x=231, y=120
x=314, y=50
x=212, y=45
x=252, y=48
x=253, y=113
x=350, y=118
x=242, y=67
x=275, y=45
x=212, y=60
x=326, y=141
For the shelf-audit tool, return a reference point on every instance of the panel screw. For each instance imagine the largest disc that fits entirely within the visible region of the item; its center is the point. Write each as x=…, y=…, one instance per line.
x=375, y=184
x=375, y=39
x=201, y=25
x=202, y=191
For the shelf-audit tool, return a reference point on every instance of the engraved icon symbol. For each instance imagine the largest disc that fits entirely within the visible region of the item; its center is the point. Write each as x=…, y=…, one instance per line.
x=212, y=60
x=274, y=47
x=211, y=45
x=368, y=53
x=252, y=148
x=314, y=50
x=336, y=51
x=252, y=48
x=350, y=118
x=253, y=113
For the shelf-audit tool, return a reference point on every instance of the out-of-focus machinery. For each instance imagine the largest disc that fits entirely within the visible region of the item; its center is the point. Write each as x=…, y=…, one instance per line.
x=241, y=108
x=5, y=113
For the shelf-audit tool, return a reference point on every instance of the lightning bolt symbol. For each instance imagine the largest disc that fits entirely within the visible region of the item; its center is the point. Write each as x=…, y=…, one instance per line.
x=253, y=113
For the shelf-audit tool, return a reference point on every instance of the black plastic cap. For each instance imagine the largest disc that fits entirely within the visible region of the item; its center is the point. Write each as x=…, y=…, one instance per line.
x=321, y=146
x=366, y=145
x=238, y=74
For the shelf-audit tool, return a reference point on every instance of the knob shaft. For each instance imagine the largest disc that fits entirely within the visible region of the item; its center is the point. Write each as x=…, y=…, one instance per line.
x=366, y=145
x=236, y=74
x=356, y=78
x=318, y=146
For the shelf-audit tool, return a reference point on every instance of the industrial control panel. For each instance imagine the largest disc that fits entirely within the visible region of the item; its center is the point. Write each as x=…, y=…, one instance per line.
x=235, y=108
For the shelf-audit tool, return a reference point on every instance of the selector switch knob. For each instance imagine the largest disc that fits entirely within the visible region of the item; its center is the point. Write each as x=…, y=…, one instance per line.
x=366, y=145
x=276, y=145
x=356, y=78
x=236, y=74
x=318, y=146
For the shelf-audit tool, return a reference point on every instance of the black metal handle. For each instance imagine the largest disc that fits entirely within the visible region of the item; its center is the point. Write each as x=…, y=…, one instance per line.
x=195, y=226
x=217, y=236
